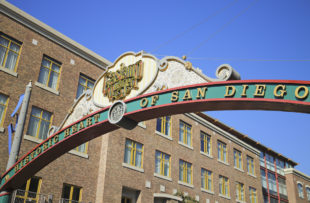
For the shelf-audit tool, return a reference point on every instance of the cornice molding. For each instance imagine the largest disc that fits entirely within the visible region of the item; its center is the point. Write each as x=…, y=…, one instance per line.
x=297, y=173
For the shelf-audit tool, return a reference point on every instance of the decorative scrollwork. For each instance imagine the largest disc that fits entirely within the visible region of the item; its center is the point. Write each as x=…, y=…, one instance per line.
x=162, y=64
x=226, y=72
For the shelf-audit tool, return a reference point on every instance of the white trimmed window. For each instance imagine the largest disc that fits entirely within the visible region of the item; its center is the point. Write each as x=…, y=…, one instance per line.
x=39, y=124
x=49, y=73
x=9, y=52
x=162, y=163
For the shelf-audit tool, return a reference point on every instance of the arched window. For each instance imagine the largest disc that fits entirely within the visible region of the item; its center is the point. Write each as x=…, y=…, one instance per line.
x=300, y=190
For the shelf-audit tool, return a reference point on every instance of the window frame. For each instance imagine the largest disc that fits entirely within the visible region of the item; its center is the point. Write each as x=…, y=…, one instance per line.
x=204, y=139
x=250, y=165
x=25, y=196
x=132, y=161
x=85, y=88
x=162, y=163
x=17, y=42
x=163, y=125
x=52, y=61
x=40, y=121
x=205, y=174
x=225, y=183
x=253, y=195
x=185, y=166
x=238, y=162
x=72, y=187
x=240, y=192
x=2, y=118
x=300, y=190
x=185, y=140
x=220, y=148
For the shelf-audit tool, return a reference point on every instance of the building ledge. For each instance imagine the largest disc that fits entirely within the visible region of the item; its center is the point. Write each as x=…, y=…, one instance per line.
x=223, y=162
x=226, y=197
x=142, y=125
x=186, y=184
x=163, y=135
x=32, y=139
x=207, y=155
x=162, y=177
x=239, y=169
x=207, y=191
x=77, y=153
x=184, y=145
x=46, y=88
x=1, y=130
x=8, y=71
x=133, y=167
x=250, y=174
x=167, y=196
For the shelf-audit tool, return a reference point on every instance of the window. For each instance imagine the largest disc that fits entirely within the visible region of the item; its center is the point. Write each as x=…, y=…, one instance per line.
x=240, y=191
x=280, y=167
x=300, y=190
x=250, y=165
x=237, y=159
x=164, y=125
x=133, y=153
x=263, y=176
x=126, y=200
x=282, y=187
x=270, y=162
x=272, y=184
x=85, y=83
x=9, y=52
x=206, y=179
x=40, y=121
x=222, y=151
x=29, y=191
x=162, y=163
x=262, y=159
x=308, y=192
x=49, y=72
x=3, y=107
x=185, y=133
x=71, y=194
x=185, y=172
x=224, y=186
x=253, y=197
x=205, y=143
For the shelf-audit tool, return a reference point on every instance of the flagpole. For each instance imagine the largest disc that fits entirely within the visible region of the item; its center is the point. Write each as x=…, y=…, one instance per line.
x=5, y=196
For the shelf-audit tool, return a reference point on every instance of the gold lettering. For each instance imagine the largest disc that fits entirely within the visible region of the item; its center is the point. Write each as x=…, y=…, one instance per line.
x=96, y=117
x=228, y=93
x=245, y=87
x=74, y=128
x=38, y=150
x=50, y=142
x=144, y=102
x=81, y=125
x=300, y=88
x=201, y=93
x=280, y=88
x=26, y=160
x=175, y=96
x=16, y=168
x=67, y=132
x=89, y=121
x=260, y=90
x=45, y=146
x=154, y=99
x=32, y=155
x=187, y=95
x=56, y=139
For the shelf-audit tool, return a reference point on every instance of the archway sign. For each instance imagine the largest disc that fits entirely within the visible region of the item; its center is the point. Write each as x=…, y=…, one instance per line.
x=139, y=87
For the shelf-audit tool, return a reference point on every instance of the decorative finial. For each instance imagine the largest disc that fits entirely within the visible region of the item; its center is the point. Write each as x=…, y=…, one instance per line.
x=184, y=57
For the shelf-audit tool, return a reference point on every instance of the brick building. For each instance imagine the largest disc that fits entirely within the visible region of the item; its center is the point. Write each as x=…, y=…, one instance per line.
x=169, y=159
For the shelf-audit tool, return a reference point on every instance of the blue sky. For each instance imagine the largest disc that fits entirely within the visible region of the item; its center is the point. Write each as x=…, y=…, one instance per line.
x=261, y=39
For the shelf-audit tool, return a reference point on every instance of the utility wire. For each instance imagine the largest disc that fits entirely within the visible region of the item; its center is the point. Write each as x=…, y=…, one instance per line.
x=194, y=26
x=251, y=59
x=221, y=28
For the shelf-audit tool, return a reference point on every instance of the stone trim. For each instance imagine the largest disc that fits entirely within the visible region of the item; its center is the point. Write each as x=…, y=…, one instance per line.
x=46, y=88
x=207, y=191
x=1, y=130
x=184, y=145
x=226, y=197
x=296, y=173
x=167, y=196
x=207, y=155
x=133, y=167
x=8, y=71
x=77, y=153
x=186, y=184
x=163, y=135
x=162, y=177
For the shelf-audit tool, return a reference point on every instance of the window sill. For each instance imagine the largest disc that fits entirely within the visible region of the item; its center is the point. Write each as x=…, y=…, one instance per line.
x=184, y=145
x=32, y=139
x=239, y=169
x=227, y=164
x=207, y=155
x=163, y=135
x=207, y=191
x=77, y=153
x=254, y=176
x=162, y=177
x=140, y=124
x=133, y=167
x=240, y=201
x=226, y=197
x=1, y=130
x=186, y=184
x=46, y=88
x=8, y=71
